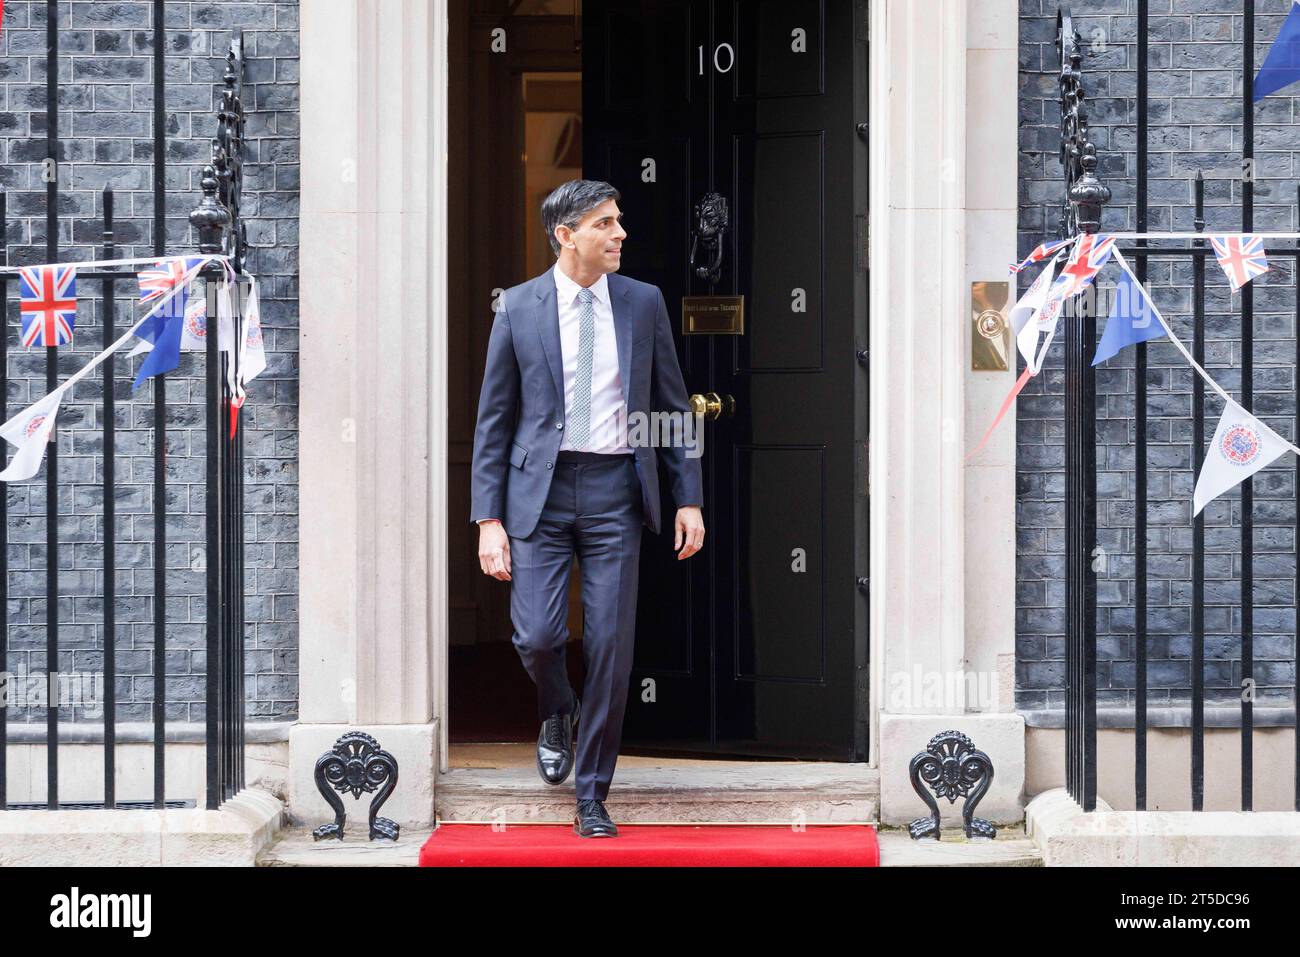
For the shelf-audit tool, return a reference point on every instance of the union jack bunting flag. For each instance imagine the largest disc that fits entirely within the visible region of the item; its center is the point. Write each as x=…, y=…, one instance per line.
x=1039, y=254
x=164, y=276
x=1086, y=259
x=49, y=304
x=1242, y=258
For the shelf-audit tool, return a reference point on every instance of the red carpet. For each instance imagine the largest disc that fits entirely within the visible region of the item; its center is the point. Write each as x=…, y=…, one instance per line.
x=652, y=845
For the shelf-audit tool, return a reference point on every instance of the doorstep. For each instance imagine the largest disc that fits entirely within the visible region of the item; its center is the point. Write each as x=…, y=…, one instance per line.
x=500, y=784
x=1011, y=848
x=296, y=848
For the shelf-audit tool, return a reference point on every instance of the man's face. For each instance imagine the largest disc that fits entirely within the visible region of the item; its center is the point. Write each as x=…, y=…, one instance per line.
x=598, y=238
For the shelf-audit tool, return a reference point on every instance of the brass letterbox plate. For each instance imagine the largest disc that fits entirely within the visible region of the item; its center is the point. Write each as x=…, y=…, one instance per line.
x=990, y=333
x=713, y=315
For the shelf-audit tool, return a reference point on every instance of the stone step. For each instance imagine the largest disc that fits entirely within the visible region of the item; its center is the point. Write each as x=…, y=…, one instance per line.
x=650, y=791
x=1011, y=848
x=499, y=783
x=296, y=848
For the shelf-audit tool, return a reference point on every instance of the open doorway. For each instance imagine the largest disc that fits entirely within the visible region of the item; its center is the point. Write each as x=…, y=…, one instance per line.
x=753, y=114
x=515, y=94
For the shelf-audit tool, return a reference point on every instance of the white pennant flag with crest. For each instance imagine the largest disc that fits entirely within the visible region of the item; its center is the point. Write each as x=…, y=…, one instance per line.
x=1242, y=445
x=194, y=330
x=29, y=431
x=252, y=350
x=1034, y=317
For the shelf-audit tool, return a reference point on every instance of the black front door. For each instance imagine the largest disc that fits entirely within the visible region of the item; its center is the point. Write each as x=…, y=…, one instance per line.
x=757, y=645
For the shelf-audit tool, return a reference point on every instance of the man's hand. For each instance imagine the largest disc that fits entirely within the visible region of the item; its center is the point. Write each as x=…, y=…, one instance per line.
x=494, y=550
x=689, y=530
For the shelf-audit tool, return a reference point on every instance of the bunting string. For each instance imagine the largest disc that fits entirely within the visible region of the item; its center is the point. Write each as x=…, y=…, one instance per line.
x=1205, y=235
x=31, y=429
x=1242, y=444
x=1178, y=344
x=126, y=336
x=133, y=261
x=117, y=343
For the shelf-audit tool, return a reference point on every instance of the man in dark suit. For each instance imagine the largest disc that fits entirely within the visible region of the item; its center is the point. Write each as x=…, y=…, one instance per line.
x=575, y=356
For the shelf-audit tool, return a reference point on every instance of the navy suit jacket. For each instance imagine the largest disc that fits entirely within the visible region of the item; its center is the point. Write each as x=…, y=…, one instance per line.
x=521, y=405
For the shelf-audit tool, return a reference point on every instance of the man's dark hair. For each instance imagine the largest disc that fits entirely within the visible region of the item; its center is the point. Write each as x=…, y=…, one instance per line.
x=569, y=202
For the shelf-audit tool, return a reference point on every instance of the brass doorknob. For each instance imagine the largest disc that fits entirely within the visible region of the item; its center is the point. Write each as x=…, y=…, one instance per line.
x=710, y=405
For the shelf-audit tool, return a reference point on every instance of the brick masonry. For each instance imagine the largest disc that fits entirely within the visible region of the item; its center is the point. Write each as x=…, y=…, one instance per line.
x=1195, y=124
x=105, y=125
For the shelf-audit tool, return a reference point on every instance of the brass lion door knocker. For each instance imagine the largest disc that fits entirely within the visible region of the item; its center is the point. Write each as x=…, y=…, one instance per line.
x=710, y=226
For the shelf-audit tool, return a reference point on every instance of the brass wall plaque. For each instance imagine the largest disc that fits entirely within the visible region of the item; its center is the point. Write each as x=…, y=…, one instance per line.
x=990, y=333
x=713, y=315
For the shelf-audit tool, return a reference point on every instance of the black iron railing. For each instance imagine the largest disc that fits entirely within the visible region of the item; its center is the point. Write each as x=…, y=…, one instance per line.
x=1081, y=213
x=220, y=231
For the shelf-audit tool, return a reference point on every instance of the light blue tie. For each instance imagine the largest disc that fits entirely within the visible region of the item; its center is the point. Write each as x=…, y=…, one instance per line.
x=580, y=419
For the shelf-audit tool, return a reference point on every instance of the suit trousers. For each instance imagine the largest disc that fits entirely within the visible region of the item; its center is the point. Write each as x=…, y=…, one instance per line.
x=593, y=510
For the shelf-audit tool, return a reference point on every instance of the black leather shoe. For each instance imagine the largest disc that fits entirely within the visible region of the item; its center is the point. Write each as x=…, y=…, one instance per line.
x=592, y=821
x=555, y=745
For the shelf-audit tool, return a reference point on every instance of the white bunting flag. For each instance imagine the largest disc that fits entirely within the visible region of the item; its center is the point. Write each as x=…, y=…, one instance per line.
x=1034, y=318
x=1030, y=302
x=252, y=358
x=1242, y=446
x=1027, y=321
x=194, y=332
x=29, y=431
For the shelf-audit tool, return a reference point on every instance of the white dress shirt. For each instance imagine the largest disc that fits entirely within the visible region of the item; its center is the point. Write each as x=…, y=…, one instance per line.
x=608, y=408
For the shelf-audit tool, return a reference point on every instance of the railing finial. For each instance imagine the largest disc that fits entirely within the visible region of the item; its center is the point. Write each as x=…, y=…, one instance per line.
x=1088, y=194
x=210, y=218
x=1085, y=193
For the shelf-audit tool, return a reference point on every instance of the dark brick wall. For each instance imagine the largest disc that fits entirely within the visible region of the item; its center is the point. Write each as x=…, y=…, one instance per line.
x=1195, y=117
x=105, y=124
